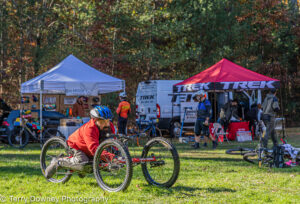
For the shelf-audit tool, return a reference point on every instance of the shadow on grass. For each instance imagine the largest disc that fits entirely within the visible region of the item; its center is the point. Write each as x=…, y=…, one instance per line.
x=209, y=189
x=27, y=170
x=21, y=156
x=230, y=161
x=186, y=191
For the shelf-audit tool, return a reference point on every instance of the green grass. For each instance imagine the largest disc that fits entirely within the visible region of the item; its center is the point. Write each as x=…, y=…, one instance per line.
x=206, y=176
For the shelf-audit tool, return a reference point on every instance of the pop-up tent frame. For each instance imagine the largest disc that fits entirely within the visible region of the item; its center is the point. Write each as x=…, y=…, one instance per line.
x=73, y=78
x=225, y=76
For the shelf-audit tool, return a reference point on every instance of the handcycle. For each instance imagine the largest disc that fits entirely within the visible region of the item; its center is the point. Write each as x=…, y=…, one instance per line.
x=21, y=133
x=112, y=164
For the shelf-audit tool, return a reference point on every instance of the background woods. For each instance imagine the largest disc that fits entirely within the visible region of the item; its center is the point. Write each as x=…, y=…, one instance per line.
x=146, y=39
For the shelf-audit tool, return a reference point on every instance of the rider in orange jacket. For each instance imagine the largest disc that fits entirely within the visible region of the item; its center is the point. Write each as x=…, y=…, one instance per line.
x=123, y=110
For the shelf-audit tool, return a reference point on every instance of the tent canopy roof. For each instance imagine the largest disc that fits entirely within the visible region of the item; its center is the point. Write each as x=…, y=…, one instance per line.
x=72, y=72
x=226, y=71
x=226, y=75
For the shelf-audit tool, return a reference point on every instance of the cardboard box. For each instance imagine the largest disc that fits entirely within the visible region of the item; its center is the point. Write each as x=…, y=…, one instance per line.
x=243, y=136
x=63, y=122
x=34, y=114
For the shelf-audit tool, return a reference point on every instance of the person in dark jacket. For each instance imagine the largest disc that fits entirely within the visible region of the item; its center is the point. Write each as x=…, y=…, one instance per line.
x=78, y=107
x=251, y=116
x=231, y=114
x=270, y=108
x=204, y=113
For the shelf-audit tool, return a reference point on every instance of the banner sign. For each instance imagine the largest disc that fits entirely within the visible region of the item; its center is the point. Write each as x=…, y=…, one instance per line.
x=239, y=85
x=85, y=89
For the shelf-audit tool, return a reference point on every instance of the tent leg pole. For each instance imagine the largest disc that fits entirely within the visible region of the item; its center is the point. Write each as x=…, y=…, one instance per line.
x=215, y=104
x=41, y=113
x=21, y=107
x=282, y=115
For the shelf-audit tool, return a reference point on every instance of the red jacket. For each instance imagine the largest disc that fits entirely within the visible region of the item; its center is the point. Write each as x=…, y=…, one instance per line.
x=86, y=138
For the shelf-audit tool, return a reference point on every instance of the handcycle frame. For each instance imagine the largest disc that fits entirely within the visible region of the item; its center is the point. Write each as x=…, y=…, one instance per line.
x=117, y=162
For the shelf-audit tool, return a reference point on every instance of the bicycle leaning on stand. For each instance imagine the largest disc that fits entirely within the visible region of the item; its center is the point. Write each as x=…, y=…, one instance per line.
x=25, y=131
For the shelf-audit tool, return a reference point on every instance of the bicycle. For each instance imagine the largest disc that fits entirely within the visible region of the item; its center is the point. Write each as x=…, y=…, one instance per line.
x=260, y=155
x=112, y=164
x=144, y=130
x=21, y=133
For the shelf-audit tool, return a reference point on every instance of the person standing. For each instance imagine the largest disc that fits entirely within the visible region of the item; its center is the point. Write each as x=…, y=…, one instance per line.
x=270, y=107
x=96, y=102
x=204, y=113
x=78, y=107
x=123, y=111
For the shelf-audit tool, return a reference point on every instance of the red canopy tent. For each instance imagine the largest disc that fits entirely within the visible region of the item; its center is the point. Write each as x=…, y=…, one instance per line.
x=226, y=75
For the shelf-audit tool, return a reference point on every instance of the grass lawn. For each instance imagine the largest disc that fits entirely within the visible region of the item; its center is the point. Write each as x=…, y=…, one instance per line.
x=206, y=176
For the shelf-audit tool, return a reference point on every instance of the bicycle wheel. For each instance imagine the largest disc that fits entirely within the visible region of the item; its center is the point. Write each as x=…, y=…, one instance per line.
x=49, y=133
x=19, y=138
x=164, y=170
x=239, y=151
x=55, y=148
x=112, y=166
x=253, y=157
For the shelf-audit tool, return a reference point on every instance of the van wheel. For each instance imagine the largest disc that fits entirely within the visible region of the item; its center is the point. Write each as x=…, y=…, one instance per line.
x=175, y=129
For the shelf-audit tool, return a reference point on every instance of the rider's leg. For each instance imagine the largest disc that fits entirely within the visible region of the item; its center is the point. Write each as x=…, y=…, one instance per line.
x=78, y=157
x=197, y=141
x=272, y=132
x=197, y=135
x=206, y=140
x=268, y=131
x=122, y=122
x=205, y=133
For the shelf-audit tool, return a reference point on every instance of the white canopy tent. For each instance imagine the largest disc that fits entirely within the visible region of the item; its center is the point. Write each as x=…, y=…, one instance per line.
x=73, y=78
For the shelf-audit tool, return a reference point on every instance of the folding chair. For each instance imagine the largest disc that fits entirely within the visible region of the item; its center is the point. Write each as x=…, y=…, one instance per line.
x=279, y=125
x=219, y=130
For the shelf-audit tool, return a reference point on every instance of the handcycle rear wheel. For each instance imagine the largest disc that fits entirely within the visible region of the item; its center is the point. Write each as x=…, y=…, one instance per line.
x=112, y=166
x=55, y=148
x=164, y=171
x=19, y=138
x=239, y=151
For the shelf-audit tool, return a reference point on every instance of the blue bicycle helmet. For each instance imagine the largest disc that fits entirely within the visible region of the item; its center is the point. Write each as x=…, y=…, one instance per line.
x=101, y=112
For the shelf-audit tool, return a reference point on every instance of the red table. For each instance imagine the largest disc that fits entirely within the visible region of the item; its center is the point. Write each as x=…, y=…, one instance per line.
x=236, y=126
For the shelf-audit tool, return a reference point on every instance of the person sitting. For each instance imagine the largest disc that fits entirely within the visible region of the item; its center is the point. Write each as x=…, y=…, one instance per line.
x=84, y=141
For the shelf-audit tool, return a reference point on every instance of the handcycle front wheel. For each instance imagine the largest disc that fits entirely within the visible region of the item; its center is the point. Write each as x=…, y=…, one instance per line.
x=239, y=151
x=55, y=148
x=19, y=138
x=162, y=164
x=112, y=166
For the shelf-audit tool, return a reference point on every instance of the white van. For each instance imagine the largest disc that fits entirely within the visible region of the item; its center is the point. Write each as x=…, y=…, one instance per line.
x=154, y=100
